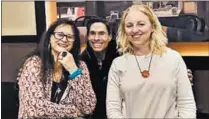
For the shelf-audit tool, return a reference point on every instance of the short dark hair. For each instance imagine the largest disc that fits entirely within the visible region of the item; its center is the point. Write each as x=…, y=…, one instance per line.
x=98, y=20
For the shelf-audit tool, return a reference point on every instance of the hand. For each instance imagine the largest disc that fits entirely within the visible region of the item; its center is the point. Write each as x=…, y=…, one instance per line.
x=67, y=60
x=189, y=73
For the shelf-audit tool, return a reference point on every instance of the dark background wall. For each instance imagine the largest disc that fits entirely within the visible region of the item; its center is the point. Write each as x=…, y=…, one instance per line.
x=12, y=55
x=203, y=10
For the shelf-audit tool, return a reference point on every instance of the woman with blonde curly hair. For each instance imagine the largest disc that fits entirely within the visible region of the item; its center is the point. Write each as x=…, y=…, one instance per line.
x=150, y=78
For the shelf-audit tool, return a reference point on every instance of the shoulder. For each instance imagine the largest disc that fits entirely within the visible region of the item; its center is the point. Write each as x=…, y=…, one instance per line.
x=120, y=59
x=85, y=55
x=171, y=57
x=120, y=62
x=32, y=64
x=33, y=60
x=172, y=54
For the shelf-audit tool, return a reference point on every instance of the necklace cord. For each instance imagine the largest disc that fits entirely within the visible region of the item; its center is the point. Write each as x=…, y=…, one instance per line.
x=149, y=63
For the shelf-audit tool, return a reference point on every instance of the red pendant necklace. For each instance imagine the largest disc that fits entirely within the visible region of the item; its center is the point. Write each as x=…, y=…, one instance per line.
x=144, y=73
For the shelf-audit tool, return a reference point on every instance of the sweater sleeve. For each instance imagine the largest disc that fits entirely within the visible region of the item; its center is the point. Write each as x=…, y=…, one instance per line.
x=31, y=94
x=114, y=99
x=85, y=97
x=185, y=100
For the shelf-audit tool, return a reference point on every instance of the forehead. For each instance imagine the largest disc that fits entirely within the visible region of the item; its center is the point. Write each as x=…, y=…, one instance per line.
x=135, y=16
x=98, y=26
x=65, y=28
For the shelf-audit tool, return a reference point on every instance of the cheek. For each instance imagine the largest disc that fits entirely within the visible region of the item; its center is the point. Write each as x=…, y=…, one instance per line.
x=106, y=42
x=147, y=29
x=90, y=39
x=147, y=33
x=53, y=43
x=70, y=46
x=107, y=39
x=127, y=31
x=90, y=42
x=53, y=40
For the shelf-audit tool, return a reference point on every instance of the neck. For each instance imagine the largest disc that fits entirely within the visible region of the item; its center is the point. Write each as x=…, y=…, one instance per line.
x=141, y=50
x=100, y=55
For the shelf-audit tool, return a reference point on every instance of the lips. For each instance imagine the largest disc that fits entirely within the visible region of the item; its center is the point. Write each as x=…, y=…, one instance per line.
x=97, y=44
x=136, y=36
x=63, y=45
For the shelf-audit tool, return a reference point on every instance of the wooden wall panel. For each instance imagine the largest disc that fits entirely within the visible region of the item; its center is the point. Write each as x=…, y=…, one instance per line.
x=191, y=48
x=51, y=12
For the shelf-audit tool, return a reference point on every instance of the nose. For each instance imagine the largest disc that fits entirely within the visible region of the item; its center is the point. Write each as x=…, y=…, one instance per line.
x=96, y=37
x=135, y=30
x=64, y=39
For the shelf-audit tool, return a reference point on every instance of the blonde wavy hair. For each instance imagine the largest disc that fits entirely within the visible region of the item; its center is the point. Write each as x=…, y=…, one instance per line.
x=158, y=38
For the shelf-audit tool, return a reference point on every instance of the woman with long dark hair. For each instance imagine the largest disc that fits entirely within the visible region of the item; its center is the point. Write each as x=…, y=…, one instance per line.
x=53, y=82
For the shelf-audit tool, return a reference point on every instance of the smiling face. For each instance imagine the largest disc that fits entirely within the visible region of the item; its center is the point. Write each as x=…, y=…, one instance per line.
x=62, y=39
x=98, y=37
x=137, y=28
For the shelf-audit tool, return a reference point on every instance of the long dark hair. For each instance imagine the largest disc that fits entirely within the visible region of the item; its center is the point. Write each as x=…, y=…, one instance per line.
x=43, y=49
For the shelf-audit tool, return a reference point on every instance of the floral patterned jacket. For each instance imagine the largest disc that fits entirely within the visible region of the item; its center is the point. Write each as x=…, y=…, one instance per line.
x=34, y=98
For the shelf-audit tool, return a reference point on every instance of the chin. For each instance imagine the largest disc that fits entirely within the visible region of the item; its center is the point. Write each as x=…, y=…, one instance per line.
x=58, y=50
x=97, y=49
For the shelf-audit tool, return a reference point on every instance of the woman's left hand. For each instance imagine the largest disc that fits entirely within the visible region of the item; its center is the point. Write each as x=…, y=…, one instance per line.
x=67, y=60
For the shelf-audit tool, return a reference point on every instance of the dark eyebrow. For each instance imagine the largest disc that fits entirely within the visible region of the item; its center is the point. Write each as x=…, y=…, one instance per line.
x=101, y=32
x=92, y=31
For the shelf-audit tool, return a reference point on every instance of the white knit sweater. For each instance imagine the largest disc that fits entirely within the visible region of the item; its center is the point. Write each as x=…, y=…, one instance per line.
x=166, y=93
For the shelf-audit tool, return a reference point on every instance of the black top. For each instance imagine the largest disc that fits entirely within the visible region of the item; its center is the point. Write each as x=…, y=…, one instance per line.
x=59, y=88
x=99, y=76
